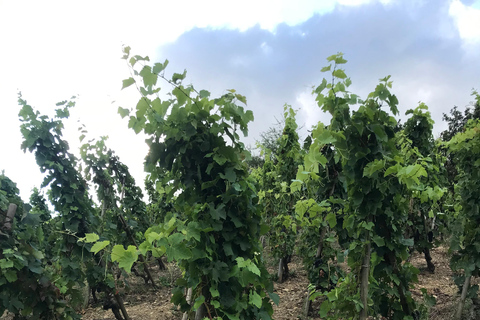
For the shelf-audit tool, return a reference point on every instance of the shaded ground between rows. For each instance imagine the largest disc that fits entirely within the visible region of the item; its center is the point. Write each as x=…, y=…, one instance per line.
x=144, y=303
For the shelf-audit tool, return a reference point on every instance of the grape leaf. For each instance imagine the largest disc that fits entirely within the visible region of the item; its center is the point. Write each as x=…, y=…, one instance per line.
x=99, y=246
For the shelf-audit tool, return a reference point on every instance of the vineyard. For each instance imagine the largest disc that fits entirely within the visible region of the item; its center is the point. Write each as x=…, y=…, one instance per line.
x=367, y=218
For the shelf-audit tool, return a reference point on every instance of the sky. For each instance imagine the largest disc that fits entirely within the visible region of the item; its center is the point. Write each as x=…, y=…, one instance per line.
x=269, y=51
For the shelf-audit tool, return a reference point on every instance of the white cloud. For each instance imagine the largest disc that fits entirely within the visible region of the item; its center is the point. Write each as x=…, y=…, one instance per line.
x=309, y=113
x=54, y=49
x=362, y=2
x=267, y=13
x=467, y=19
x=266, y=49
x=353, y=2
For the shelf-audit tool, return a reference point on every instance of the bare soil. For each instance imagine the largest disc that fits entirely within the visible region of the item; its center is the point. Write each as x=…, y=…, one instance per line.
x=149, y=304
x=439, y=284
x=145, y=303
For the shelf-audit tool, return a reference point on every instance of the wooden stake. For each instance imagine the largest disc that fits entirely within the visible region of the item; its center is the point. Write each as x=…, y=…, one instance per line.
x=364, y=274
x=461, y=303
x=12, y=209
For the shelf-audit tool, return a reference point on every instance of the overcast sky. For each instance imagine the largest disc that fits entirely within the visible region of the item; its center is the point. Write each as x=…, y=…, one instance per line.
x=269, y=51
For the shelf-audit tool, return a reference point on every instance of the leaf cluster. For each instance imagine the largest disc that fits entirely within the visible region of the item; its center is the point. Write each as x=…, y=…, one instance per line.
x=27, y=287
x=197, y=159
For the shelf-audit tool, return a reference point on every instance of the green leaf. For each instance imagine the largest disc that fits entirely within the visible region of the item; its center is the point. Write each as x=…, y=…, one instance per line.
x=198, y=302
x=241, y=98
x=180, y=95
x=175, y=239
x=91, y=237
x=144, y=247
x=378, y=241
x=332, y=57
x=204, y=94
x=158, y=252
x=181, y=252
x=36, y=253
x=349, y=222
x=149, y=78
x=219, y=212
x=4, y=264
x=255, y=299
x=127, y=82
x=160, y=107
x=385, y=79
x=10, y=275
x=99, y=246
x=241, y=262
x=331, y=219
x=125, y=258
x=368, y=226
x=325, y=69
x=407, y=242
x=325, y=137
x=390, y=170
x=214, y=292
x=325, y=308
x=198, y=254
x=321, y=87
x=123, y=112
x=220, y=159
x=35, y=268
x=379, y=132
x=372, y=167
x=339, y=58
x=339, y=73
x=252, y=267
x=193, y=230
x=227, y=248
x=142, y=107
x=275, y=298
x=126, y=51
x=229, y=174
x=132, y=61
x=152, y=236
x=430, y=301
x=159, y=67
x=215, y=304
x=179, y=76
x=296, y=185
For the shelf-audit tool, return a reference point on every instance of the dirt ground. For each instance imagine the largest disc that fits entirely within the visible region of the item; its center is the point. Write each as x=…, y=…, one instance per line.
x=147, y=304
x=440, y=284
x=144, y=303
